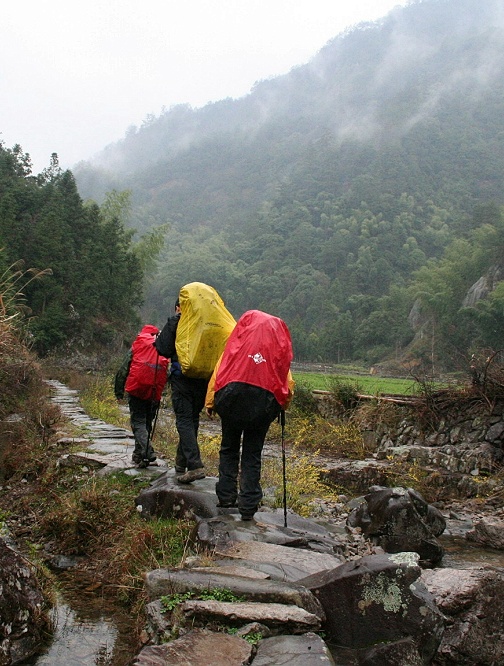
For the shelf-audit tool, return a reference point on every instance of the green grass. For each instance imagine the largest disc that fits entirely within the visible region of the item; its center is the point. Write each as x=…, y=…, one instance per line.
x=369, y=385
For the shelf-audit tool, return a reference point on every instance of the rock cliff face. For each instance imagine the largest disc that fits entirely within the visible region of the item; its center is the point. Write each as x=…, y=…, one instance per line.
x=484, y=286
x=22, y=620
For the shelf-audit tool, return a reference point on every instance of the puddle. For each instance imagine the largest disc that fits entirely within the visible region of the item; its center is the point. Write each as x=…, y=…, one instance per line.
x=461, y=554
x=89, y=630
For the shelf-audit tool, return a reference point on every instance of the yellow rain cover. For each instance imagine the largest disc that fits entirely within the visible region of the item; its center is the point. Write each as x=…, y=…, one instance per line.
x=202, y=332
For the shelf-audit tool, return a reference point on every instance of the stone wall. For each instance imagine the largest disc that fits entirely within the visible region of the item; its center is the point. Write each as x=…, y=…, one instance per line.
x=458, y=440
x=466, y=437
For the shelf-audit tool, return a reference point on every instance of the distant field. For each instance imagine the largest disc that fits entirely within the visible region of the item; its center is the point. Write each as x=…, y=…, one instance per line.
x=369, y=385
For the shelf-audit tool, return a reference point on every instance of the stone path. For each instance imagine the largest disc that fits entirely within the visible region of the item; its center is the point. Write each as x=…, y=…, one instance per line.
x=105, y=447
x=292, y=581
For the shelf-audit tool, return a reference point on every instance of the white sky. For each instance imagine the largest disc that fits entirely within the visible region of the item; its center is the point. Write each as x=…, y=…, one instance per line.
x=75, y=75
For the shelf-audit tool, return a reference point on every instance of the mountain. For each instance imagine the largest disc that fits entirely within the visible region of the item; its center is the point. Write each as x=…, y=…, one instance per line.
x=320, y=194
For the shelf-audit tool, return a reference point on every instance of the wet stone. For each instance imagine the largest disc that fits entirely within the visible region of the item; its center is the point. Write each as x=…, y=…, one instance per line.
x=160, y=582
x=197, y=648
x=285, y=617
x=306, y=650
x=296, y=562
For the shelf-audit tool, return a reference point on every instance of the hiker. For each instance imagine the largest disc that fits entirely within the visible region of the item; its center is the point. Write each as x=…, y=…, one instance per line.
x=250, y=386
x=142, y=376
x=193, y=338
x=188, y=399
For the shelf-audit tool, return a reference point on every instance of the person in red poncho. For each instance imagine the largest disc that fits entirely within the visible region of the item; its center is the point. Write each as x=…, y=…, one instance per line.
x=142, y=376
x=250, y=385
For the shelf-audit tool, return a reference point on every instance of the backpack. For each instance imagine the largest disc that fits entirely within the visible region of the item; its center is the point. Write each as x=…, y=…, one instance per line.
x=148, y=370
x=203, y=329
x=258, y=353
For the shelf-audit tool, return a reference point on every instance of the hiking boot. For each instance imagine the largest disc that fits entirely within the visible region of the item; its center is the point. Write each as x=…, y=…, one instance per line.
x=136, y=458
x=192, y=475
x=226, y=505
x=180, y=470
x=247, y=514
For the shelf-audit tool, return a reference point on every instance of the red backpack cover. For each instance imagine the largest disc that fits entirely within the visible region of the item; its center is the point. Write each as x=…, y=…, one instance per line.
x=148, y=370
x=258, y=352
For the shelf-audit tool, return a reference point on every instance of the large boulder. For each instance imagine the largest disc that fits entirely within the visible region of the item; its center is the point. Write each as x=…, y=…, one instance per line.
x=23, y=622
x=472, y=601
x=378, y=599
x=400, y=520
x=165, y=498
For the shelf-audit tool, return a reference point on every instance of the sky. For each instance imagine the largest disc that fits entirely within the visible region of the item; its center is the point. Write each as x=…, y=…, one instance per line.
x=74, y=76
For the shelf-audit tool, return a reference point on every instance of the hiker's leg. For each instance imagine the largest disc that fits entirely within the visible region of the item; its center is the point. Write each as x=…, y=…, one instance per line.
x=198, y=389
x=180, y=461
x=138, y=420
x=226, y=487
x=182, y=402
x=250, y=494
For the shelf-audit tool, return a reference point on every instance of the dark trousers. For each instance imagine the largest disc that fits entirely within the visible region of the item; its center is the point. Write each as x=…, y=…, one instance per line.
x=188, y=399
x=142, y=414
x=247, y=466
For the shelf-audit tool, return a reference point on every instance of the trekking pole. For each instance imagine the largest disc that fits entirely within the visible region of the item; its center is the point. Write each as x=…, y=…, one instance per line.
x=282, y=423
x=150, y=434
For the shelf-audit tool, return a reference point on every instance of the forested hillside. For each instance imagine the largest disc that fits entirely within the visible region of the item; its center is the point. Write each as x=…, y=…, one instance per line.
x=71, y=266
x=329, y=196
x=358, y=197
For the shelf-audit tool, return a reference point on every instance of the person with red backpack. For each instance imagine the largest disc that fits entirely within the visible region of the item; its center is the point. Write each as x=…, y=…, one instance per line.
x=249, y=388
x=142, y=376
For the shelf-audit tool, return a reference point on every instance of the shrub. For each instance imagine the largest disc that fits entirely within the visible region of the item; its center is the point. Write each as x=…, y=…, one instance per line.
x=303, y=403
x=344, y=391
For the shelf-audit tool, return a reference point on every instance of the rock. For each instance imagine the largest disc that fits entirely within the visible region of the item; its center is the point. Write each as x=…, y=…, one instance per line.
x=158, y=622
x=278, y=571
x=197, y=648
x=306, y=650
x=472, y=601
x=267, y=527
x=165, y=498
x=488, y=532
x=358, y=474
x=400, y=520
x=63, y=562
x=378, y=599
x=288, y=618
x=23, y=623
x=398, y=653
x=161, y=582
x=232, y=570
x=295, y=563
